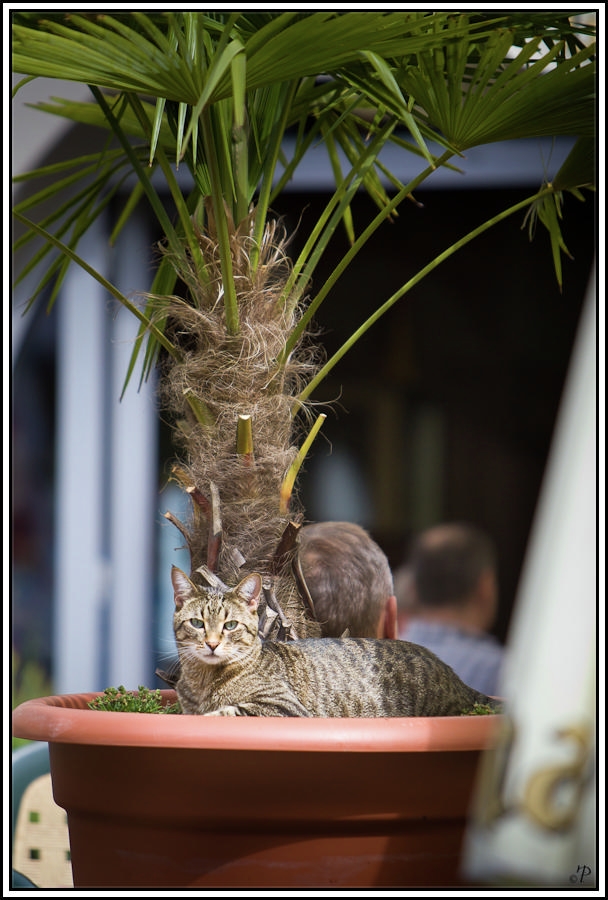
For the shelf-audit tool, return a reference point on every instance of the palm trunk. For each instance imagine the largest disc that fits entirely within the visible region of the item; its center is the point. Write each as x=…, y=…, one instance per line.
x=232, y=407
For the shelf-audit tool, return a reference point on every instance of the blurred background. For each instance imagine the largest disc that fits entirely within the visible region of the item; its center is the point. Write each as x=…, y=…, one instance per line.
x=444, y=411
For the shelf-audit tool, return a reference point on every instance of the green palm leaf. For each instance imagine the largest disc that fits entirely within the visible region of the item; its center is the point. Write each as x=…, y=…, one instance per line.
x=577, y=172
x=219, y=91
x=68, y=252
x=475, y=94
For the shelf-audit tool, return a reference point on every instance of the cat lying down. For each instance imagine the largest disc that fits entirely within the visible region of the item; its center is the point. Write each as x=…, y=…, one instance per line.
x=226, y=669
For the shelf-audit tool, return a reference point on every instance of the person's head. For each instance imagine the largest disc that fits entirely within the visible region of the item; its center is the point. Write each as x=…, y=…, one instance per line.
x=453, y=572
x=349, y=579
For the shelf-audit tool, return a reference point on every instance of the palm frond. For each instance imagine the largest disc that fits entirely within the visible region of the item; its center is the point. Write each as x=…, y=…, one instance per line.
x=219, y=91
x=577, y=172
x=68, y=252
x=579, y=168
x=478, y=95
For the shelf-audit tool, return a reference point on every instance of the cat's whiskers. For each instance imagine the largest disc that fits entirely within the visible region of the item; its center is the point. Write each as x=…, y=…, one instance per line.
x=169, y=654
x=187, y=651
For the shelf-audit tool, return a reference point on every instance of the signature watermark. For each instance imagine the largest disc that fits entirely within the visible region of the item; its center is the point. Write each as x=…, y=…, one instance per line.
x=582, y=873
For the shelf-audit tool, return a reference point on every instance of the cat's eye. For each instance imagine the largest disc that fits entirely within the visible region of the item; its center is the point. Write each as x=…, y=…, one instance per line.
x=197, y=623
x=231, y=625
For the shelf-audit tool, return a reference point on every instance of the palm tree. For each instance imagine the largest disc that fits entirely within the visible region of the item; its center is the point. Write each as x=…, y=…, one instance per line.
x=228, y=318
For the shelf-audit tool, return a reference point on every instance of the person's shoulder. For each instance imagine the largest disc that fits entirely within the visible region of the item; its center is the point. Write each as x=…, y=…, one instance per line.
x=419, y=628
x=459, y=643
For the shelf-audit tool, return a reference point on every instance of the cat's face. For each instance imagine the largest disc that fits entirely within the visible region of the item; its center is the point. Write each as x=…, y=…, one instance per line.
x=215, y=624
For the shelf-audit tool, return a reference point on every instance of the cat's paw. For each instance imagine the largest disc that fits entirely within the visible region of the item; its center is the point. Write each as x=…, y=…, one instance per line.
x=224, y=711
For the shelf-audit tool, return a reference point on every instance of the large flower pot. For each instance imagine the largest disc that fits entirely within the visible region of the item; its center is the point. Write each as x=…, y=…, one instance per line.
x=189, y=801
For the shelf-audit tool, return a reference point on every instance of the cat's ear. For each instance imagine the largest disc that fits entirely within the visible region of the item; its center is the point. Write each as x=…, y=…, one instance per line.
x=182, y=586
x=250, y=589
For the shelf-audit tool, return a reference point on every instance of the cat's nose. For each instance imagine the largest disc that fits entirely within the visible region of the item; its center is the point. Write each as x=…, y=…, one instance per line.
x=212, y=645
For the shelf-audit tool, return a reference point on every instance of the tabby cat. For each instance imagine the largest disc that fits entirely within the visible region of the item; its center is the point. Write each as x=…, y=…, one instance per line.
x=226, y=670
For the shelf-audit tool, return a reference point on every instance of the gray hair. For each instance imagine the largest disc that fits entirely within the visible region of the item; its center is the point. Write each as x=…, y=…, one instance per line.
x=348, y=576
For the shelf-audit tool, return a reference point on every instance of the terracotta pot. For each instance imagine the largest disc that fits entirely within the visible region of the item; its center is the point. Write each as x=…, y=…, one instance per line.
x=188, y=801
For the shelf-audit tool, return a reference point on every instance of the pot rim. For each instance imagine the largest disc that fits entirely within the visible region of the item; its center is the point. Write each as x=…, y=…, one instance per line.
x=67, y=719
